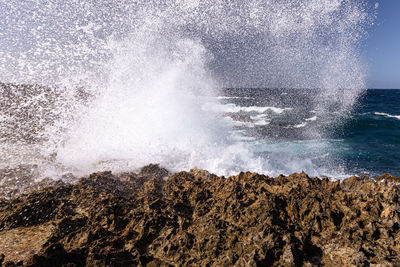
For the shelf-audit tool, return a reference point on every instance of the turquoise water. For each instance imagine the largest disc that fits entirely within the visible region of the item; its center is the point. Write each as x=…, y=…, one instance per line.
x=288, y=131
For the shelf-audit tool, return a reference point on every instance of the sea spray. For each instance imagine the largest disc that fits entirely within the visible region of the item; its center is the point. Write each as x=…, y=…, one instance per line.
x=131, y=82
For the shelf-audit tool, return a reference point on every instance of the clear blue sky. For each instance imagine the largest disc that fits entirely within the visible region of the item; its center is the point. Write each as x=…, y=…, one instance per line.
x=382, y=48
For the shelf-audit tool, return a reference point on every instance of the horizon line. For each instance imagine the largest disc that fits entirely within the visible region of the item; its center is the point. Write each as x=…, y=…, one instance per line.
x=227, y=88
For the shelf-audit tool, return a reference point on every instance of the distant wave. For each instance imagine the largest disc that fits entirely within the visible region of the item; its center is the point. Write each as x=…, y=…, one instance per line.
x=300, y=125
x=312, y=118
x=234, y=108
x=387, y=115
x=260, y=120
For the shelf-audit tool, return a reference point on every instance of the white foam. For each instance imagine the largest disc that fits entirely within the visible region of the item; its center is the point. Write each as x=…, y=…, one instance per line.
x=238, y=123
x=314, y=118
x=387, y=115
x=260, y=120
x=244, y=138
x=148, y=66
x=301, y=125
x=256, y=109
x=262, y=123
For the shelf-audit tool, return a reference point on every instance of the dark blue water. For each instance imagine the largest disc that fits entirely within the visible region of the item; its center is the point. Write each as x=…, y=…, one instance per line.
x=372, y=134
x=285, y=129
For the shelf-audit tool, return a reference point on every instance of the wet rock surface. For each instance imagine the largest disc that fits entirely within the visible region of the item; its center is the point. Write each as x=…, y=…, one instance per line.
x=197, y=218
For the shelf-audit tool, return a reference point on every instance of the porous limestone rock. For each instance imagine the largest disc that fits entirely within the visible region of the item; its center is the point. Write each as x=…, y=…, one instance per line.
x=199, y=219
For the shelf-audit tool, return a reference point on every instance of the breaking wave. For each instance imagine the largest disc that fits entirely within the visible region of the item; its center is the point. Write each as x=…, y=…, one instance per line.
x=126, y=83
x=387, y=115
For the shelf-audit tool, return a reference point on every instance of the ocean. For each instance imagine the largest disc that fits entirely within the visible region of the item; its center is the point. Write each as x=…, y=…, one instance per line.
x=283, y=128
x=119, y=86
x=270, y=131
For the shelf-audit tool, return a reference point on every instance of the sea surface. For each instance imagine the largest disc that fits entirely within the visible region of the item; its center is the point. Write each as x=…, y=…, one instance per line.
x=283, y=126
x=134, y=82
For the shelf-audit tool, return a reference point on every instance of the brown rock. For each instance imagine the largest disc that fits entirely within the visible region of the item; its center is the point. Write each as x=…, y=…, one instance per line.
x=197, y=218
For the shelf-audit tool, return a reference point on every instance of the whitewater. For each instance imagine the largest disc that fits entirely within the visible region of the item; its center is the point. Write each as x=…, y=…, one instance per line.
x=99, y=85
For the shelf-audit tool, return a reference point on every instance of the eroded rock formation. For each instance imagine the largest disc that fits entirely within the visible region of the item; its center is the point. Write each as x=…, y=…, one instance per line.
x=196, y=218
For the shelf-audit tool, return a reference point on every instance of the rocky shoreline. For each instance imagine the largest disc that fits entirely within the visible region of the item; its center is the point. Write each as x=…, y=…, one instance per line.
x=198, y=219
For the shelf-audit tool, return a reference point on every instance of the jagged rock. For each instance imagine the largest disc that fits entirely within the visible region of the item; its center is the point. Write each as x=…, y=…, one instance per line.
x=197, y=218
x=388, y=178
